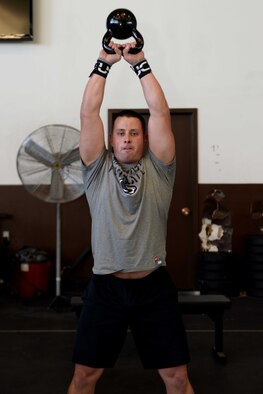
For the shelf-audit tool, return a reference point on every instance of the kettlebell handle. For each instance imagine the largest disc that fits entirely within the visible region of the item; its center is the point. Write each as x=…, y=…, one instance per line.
x=135, y=34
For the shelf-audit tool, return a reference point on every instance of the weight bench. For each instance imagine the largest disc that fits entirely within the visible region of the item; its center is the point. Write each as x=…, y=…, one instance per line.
x=212, y=305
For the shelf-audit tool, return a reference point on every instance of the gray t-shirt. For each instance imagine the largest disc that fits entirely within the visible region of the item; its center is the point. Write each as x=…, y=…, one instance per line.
x=129, y=210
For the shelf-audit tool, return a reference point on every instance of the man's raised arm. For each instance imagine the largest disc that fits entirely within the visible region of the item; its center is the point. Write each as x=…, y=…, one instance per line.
x=92, y=139
x=160, y=134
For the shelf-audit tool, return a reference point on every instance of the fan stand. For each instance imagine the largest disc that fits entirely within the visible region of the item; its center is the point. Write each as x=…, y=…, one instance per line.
x=59, y=301
x=49, y=165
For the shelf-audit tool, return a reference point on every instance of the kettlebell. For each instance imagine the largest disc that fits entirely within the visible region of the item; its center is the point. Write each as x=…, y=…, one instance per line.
x=121, y=24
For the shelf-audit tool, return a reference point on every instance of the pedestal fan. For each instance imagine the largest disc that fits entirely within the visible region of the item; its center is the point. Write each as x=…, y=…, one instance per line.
x=49, y=166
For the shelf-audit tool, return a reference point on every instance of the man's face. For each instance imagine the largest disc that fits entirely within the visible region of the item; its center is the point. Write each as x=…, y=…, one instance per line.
x=127, y=139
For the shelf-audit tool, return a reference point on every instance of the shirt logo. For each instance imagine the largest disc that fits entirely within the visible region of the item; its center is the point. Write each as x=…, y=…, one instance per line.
x=128, y=180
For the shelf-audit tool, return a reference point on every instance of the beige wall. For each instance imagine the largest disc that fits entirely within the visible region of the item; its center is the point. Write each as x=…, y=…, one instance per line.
x=206, y=53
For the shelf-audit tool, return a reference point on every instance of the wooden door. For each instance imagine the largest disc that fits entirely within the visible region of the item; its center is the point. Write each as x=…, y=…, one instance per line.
x=182, y=239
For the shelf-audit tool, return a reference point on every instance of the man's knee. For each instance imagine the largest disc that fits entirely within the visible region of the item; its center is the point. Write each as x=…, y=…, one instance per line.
x=176, y=378
x=85, y=377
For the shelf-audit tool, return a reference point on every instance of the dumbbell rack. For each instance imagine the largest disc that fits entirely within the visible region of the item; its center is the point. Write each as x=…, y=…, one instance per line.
x=254, y=256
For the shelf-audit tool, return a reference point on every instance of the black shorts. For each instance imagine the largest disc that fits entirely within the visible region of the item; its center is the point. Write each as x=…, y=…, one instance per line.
x=147, y=306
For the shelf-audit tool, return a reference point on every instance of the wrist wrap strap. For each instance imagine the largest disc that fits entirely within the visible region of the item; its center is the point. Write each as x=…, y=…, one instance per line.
x=101, y=68
x=142, y=68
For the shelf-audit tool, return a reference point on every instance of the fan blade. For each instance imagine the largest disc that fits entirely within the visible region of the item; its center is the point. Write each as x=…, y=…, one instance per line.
x=57, y=186
x=38, y=153
x=69, y=157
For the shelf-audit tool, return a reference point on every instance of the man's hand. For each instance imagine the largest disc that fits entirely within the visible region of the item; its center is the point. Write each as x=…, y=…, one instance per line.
x=121, y=50
x=132, y=59
x=111, y=58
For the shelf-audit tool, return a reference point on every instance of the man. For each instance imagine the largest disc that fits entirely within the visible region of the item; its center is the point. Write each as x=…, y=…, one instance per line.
x=129, y=189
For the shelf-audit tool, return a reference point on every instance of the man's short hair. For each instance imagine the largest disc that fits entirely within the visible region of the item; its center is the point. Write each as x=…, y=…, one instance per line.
x=130, y=114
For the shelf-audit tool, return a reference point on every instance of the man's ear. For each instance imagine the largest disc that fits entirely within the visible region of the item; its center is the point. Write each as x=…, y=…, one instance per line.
x=146, y=143
x=110, y=137
x=146, y=140
x=110, y=148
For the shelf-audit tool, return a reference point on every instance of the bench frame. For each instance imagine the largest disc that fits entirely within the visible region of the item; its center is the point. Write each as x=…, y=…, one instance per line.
x=212, y=305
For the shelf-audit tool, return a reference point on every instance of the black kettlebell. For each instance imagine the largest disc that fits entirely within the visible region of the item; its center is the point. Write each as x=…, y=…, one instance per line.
x=121, y=24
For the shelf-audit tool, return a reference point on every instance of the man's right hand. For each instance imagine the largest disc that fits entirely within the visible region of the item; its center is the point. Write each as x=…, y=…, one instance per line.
x=111, y=58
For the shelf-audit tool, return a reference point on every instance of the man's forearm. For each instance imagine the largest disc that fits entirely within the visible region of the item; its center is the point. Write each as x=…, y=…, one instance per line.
x=93, y=96
x=152, y=90
x=154, y=95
